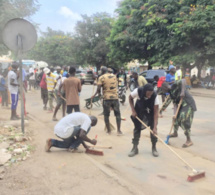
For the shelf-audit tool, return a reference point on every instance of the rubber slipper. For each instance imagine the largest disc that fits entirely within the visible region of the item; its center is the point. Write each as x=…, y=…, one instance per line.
x=54, y=119
x=187, y=145
x=119, y=134
x=173, y=135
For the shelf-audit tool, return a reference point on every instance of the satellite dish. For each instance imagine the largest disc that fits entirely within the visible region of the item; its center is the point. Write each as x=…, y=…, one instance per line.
x=19, y=34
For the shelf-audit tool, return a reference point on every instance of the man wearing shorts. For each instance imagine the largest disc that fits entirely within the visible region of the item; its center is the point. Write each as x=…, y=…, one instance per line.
x=59, y=94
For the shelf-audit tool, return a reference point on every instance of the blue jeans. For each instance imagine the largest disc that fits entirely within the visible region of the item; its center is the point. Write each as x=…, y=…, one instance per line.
x=71, y=142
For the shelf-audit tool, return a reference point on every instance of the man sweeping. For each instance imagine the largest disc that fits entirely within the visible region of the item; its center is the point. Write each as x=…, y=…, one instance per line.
x=146, y=108
x=188, y=107
x=73, y=130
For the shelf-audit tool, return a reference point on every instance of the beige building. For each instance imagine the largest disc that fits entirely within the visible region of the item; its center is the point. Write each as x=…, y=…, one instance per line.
x=136, y=66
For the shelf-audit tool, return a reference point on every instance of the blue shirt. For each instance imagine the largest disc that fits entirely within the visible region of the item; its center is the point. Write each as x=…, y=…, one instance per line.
x=170, y=78
x=65, y=73
x=23, y=74
x=2, y=84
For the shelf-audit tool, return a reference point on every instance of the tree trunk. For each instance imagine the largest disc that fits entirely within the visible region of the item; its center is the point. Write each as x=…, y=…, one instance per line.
x=98, y=67
x=199, y=67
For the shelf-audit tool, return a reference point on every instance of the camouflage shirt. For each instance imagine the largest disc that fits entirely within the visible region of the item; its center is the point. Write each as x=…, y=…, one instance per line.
x=109, y=85
x=175, y=97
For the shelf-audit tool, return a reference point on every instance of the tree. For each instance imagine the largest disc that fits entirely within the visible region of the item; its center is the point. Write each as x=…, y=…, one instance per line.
x=182, y=30
x=90, y=39
x=196, y=29
x=129, y=40
x=55, y=48
x=15, y=9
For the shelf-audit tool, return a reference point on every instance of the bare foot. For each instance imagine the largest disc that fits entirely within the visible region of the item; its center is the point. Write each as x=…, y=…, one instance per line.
x=48, y=145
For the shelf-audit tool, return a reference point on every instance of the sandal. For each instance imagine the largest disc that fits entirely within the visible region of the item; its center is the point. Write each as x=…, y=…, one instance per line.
x=173, y=135
x=119, y=133
x=187, y=145
x=54, y=119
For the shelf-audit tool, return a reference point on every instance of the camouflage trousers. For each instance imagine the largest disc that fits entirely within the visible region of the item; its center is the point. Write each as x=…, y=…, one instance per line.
x=184, y=119
x=107, y=105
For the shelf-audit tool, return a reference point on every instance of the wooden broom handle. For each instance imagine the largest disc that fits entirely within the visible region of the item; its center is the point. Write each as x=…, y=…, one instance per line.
x=176, y=114
x=166, y=144
x=164, y=102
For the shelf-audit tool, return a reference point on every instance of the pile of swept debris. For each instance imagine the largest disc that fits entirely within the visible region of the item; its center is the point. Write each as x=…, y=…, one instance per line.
x=14, y=146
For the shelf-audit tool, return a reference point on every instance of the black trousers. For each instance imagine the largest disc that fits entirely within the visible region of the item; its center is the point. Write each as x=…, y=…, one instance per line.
x=71, y=107
x=137, y=131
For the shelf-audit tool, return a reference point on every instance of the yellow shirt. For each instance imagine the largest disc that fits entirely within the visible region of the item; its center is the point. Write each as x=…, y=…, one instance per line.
x=50, y=81
x=141, y=81
x=178, y=73
x=109, y=85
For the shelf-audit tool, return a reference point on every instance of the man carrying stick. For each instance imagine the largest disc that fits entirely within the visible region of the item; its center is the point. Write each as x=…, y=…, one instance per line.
x=146, y=108
x=186, y=112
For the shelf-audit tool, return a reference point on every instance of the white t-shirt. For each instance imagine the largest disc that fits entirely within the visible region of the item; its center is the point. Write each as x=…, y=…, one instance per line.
x=65, y=127
x=12, y=75
x=134, y=94
x=59, y=81
x=31, y=70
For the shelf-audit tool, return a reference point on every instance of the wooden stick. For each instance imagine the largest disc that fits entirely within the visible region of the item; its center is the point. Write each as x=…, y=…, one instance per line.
x=62, y=98
x=167, y=145
x=176, y=114
x=102, y=147
x=164, y=102
x=91, y=100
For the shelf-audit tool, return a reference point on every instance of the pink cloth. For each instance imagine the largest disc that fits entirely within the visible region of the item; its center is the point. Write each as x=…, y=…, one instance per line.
x=43, y=84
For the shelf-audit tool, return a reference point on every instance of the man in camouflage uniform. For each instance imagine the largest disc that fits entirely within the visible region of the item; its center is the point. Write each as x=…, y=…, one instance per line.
x=186, y=112
x=108, y=83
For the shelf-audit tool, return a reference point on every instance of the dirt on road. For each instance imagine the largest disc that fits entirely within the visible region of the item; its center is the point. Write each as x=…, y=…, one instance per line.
x=61, y=172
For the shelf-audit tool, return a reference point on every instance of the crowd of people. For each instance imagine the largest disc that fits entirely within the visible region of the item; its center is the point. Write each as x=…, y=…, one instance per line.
x=62, y=86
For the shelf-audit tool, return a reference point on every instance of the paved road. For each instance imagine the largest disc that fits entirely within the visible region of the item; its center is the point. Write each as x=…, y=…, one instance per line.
x=144, y=174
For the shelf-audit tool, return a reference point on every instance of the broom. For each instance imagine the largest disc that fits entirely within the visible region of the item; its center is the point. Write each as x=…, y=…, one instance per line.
x=91, y=101
x=163, y=105
x=173, y=122
x=192, y=176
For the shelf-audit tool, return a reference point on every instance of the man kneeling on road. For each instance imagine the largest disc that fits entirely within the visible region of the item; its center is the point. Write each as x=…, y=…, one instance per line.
x=73, y=130
x=146, y=108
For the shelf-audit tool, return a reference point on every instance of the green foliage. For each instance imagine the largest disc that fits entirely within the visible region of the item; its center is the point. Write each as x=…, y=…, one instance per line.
x=14, y=9
x=55, y=48
x=156, y=31
x=90, y=39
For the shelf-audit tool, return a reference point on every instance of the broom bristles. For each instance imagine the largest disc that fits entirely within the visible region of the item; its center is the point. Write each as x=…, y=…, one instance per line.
x=195, y=176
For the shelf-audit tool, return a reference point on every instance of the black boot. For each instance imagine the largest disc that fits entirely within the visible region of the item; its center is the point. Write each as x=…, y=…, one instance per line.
x=154, y=151
x=134, y=151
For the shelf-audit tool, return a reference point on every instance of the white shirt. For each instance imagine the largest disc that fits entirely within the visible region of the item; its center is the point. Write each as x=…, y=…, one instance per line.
x=134, y=94
x=59, y=81
x=12, y=75
x=31, y=70
x=65, y=127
